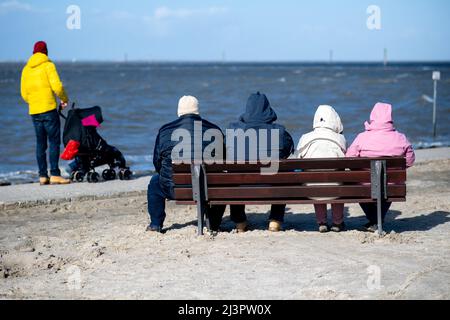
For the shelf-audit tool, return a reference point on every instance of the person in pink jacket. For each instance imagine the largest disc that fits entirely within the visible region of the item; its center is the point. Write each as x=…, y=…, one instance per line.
x=380, y=139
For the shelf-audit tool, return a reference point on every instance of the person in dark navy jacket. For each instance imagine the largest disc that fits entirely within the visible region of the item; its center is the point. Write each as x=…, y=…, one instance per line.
x=259, y=115
x=161, y=185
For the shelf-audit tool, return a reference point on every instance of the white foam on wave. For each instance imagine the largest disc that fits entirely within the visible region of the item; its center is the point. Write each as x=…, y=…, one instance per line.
x=7, y=80
x=139, y=158
x=430, y=145
x=325, y=79
x=403, y=75
x=17, y=174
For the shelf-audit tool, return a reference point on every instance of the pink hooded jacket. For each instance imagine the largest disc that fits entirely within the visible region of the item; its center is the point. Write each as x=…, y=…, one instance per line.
x=381, y=139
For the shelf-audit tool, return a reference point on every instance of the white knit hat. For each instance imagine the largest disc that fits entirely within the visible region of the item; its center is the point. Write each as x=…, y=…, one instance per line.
x=188, y=105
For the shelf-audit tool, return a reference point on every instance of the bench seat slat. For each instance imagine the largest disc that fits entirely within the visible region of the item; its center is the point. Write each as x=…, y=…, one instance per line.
x=286, y=192
x=292, y=178
x=305, y=164
x=288, y=201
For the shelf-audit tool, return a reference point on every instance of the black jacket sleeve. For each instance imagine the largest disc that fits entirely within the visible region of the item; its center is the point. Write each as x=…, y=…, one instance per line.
x=288, y=146
x=157, y=156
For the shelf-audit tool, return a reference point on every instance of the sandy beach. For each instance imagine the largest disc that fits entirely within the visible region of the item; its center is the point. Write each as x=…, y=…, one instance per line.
x=88, y=242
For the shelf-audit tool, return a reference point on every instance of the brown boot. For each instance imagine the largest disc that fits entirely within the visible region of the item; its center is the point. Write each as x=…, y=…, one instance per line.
x=59, y=180
x=241, y=227
x=44, y=181
x=275, y=226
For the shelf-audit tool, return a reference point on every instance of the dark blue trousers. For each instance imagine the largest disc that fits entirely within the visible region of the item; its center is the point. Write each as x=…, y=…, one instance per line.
x=48, y=128
x=157, y=197
x=157, y=202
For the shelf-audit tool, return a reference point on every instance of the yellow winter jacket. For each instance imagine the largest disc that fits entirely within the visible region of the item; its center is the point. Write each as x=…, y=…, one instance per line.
x=40, y=82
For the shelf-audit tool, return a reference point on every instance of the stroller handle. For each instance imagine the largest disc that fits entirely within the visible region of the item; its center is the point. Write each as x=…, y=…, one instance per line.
x=60, y=111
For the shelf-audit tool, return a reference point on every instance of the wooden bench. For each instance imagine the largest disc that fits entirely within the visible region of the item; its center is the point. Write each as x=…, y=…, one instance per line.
x=361, y=180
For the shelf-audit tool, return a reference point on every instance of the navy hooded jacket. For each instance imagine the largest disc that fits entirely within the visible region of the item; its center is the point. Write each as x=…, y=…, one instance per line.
x=260, y=115
x=162, y=155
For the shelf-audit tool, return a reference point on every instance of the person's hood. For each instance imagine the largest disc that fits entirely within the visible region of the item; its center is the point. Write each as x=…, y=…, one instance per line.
x=327, y=117
x=258, y=110
x=381, y=118
x=37, y=59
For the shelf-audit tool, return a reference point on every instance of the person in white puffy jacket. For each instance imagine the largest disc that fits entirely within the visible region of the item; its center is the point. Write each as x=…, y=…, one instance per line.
x=326, y=141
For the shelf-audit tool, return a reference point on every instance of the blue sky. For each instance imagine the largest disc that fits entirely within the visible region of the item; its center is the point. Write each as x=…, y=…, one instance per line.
x=240, y=30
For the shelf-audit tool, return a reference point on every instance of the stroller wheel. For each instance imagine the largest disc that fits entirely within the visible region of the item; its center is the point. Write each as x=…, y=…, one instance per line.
x=78, y=176
x=125, y=174
x=93, y=177
x=109, y=175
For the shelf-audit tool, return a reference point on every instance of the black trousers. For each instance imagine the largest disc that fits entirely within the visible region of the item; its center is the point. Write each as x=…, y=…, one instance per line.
x=370, y=209
x=215, y=214
x=276, y=213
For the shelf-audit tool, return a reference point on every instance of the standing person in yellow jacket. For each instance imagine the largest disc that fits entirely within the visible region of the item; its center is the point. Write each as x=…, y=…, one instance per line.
x=40, y=83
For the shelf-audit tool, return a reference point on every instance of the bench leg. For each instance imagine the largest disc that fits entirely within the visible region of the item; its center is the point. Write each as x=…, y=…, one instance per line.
x=200, y=218
x=380, y=219
x=196, y=172
x=377, y=188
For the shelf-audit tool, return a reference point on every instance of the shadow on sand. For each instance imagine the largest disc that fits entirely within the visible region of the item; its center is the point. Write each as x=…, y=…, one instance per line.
x=307, y=221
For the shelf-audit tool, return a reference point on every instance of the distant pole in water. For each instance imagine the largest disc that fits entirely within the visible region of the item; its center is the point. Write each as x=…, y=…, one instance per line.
x=331, y=56
x=224, y=56
x=436, y=78
x=385, y=57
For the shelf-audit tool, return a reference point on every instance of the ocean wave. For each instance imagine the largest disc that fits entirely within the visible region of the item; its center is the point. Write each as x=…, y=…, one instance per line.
x=326, y=79
x=16, y=174
x=18, y=177
x=7, y=80
x=431, y=145
x=387, y=81
x=403, y=75
x=139, y=158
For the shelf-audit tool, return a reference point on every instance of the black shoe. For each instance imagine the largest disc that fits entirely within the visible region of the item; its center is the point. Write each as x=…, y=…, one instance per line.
x=338, y=227
x=154, y=229
x=214, y=233
x=215, y=230
x=370, y=227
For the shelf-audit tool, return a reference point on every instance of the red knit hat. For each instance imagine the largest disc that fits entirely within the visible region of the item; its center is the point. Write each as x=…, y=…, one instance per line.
x=41, y=47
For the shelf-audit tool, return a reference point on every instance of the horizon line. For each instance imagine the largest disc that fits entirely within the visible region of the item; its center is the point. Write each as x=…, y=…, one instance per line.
x=180, y=61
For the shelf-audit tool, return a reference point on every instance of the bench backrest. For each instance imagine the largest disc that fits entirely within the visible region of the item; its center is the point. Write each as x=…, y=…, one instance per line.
x=297, y=181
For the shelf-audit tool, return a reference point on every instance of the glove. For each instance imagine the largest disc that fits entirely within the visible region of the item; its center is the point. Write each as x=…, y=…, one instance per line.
x=71, y=150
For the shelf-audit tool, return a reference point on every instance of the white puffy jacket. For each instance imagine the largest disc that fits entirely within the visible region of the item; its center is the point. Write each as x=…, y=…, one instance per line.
x=326, y=141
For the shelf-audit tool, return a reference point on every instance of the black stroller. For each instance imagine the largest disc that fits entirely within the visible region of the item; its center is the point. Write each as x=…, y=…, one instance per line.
x=93, y=151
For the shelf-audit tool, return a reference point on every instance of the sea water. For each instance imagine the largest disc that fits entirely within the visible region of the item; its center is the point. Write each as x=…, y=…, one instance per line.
x=138, y=98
